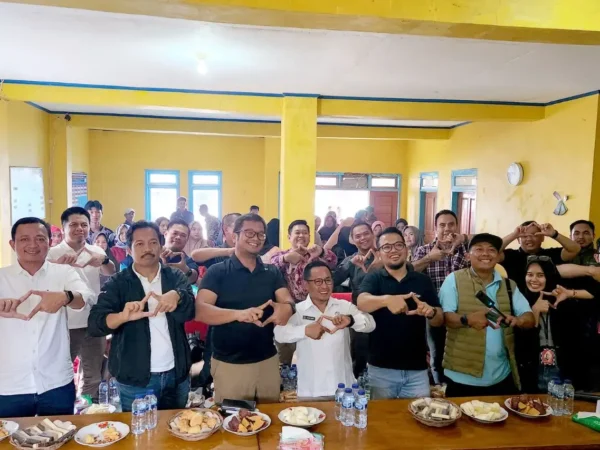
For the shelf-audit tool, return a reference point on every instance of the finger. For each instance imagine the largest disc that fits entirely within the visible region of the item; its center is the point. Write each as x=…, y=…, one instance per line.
x=147, y=314
x=269, y=320
x=34, y=311
x=264, y=305
x=320, y=319
x=413, y=312
x=258, y=323
x=145, y=299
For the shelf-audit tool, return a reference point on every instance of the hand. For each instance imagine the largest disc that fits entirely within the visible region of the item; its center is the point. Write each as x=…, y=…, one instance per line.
x=397, y=303
x=511, y=321
x=542, y=306
x=8, y=307
x=181, y=265
x=436, y=253
x=520, y=232
x=135, y=310
x=340, y=321
x=51, y=302
x=347, y=222
x=166, y=302
x=315, y=251
x=479, y=321
x=69, y=259
x=546, y=230
x=315, y=330
x=562, y=294
x=295, y=256
x=281, y=313
x=594, y=272
x=423, y=309
x=251, y=315
x=96, y=259
x=359, y=261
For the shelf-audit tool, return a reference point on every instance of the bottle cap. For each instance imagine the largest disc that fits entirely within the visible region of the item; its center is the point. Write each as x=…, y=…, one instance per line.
x=348, y=391
x=341, y=386
x=150, y=392
x=361, y=392
x=568, y=381
x=558, y=382
x=354, y=385
x=294, y=366
x=139, y=396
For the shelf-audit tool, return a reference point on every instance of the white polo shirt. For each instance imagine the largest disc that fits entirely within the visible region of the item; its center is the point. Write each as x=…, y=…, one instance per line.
x=162, y=358
x=35, y=355
x=325, y=362
x=90, y=275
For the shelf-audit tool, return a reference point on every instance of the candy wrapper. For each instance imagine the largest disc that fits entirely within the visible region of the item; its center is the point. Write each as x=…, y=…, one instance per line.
x=587, y=419
x=293, y=438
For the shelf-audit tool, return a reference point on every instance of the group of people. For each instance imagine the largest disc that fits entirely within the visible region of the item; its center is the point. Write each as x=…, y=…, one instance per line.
x=420, y=313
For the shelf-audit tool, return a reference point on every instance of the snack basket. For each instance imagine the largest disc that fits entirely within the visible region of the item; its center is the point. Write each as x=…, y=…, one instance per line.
x=56, y=445
x=199, y=436
x=436, y=423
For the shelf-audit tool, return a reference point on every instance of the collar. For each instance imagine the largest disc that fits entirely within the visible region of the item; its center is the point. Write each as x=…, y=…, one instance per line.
x=20, y=271
x=308, y=304
x=237, y=264
x=385, y=273
x=64, y=246
x=588, y=250
x=497, y=276
x=142, y=277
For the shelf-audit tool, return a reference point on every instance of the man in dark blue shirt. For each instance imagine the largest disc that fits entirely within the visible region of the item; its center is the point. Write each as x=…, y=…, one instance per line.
x=182, y=212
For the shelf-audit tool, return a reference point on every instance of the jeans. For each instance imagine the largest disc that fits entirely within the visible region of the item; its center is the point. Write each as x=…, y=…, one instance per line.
x=392, y=383
x=91, y=354
x=170, y=395
x=56, y=402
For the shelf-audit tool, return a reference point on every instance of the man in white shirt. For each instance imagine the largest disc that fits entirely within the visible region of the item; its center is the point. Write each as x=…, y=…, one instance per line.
x=321, y=330
x=145, y=308
x=36, y=372
x=89, y=261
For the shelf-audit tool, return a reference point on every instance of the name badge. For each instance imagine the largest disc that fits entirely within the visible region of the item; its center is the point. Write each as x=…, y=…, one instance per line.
x=308, y=318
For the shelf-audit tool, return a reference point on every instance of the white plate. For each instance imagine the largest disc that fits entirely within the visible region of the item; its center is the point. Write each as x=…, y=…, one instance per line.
x=111, y=409
x=9, y=426
x=95, y=430
x=321, y=416
x=527, y=416
x=252, y=433
x=501, y=419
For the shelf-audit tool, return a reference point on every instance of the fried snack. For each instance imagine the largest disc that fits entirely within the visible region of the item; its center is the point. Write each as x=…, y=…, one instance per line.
x=3, y=431
x=194, y=422
x=246, y=422
x=531, y=406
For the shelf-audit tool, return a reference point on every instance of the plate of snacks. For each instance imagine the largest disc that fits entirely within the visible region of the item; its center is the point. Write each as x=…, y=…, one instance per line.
x=530, y=407
x=484, y=412
x=102, y=434
x=302, y=416
x=195, y=424
x=246, y=423
x=436, y=412
x=99, y=409
x=7, y=428
x=47, y=435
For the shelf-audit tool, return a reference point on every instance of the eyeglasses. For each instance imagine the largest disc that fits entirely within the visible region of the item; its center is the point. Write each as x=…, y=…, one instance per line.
x=534, y=258
x=386, y=248
x=320, y=281
x=251, y=234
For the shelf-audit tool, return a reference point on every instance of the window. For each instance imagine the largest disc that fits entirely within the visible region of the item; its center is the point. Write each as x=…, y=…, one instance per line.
x=384, y=182
x=355, y=181
x=464, y=181
x=205, y=189
x=162, y=190
x=429, y=182
x=327, y=181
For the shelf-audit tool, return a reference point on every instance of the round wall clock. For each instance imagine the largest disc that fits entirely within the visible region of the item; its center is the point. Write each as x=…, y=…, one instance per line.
x=515, y=174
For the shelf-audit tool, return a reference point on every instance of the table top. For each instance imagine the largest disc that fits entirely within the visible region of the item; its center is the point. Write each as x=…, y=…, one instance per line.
x=390, y=426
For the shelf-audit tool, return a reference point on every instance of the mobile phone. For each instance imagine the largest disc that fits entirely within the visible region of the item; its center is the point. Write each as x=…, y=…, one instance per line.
x=174, y=259
x=494, y=314
x=267, y=312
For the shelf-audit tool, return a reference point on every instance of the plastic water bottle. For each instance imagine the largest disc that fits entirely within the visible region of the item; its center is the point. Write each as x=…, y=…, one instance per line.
x=360, y=410
x=293, y=377
x=559, y=397
x=550, y=398
x=355, y=388
x=285, y=371
x=103, y=393
x=152, y=414
x=138, y=415
x=339, y=394
x=569, y=398
x=347, y=415
x=367, y=384
x=114, y=396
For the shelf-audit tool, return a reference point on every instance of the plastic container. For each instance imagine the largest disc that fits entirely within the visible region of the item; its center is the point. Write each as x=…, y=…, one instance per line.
x=360, y=410
x=139, y=409
x=559, y=398
x=550, y=397
x=152, y=413
x=347, y=414
x=114, y=395
x=569, y=404
x=339, y=394
x=103, y=393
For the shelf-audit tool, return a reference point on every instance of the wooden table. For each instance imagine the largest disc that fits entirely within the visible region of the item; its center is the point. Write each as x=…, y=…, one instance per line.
x=390, y=427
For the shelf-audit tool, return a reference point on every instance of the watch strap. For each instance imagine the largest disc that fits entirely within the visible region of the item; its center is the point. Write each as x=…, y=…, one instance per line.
x=106, y=261
x=352, y=321
x=464, y=321
x=70, y=297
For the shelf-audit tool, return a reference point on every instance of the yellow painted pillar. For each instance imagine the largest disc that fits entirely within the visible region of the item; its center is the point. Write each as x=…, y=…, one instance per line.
x=5, y=208
x=298, y=162
x=59, y=168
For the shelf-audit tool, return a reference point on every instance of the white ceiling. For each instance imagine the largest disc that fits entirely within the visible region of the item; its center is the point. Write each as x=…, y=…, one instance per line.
x=201, y=114
x=74, y=46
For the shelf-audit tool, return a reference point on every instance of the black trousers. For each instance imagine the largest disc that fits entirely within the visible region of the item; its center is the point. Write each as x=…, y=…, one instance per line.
x=505, y=388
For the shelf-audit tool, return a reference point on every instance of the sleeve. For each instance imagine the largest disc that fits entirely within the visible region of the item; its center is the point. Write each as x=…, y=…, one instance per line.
x=74, y=283
x=212, y=279
x=363, y=322
x=449, y=294
x=292, y=332
x=109, y=302
x=279, y=281
x=370, y=284
x=186, y=309
x=342, y=273
x=555, y=255
x=278, y=261
x=191, y=263
x=520, y=303
x=420, y=253
x=430, y=295
x=329, y=258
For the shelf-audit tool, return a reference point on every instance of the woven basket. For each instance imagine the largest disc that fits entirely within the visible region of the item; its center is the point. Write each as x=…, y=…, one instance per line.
x=66, y=438
x=196, y=437
x=436, y=423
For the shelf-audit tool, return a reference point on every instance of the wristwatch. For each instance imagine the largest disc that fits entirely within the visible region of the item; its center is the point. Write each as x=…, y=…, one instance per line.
x=464, y=321
x=70, y=297
x=293, y=305
x=351, y=321
x=433, y=315
x=555, y=235
x=189, y=273
x=106, y=261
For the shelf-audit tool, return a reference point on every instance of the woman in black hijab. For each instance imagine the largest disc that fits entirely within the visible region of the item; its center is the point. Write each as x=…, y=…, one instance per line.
x=273, y=233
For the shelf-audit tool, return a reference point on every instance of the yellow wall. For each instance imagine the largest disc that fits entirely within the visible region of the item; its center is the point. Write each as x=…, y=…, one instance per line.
x=556, y=154
x=78, y=140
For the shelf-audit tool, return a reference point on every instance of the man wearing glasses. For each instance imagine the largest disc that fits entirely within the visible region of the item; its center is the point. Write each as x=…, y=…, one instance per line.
x=401, y=303
x=243, y=299
x=321, y=331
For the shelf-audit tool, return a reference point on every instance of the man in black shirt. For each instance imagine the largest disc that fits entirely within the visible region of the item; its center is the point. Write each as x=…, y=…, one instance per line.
x=531, y=235
x=242, y=299
x=401, y=302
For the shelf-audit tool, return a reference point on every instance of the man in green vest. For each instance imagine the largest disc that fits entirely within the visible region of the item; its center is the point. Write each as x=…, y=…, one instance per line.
x=479, y=356
x=583, y=232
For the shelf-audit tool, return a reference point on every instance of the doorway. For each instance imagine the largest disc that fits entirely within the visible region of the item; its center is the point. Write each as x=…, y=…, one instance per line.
x=428, y=205
x=464, y=199
x=385, y=204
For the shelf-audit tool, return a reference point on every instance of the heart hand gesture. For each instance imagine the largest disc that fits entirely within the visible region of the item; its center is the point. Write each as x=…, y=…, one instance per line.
x=8, y=307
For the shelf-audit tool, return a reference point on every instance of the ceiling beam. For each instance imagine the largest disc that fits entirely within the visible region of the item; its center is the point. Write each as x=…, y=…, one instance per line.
x=549, y=21
x=248, y=129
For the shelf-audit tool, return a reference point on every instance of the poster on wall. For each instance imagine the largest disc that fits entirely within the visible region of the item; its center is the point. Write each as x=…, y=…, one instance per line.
x=79, y=189
x=27, y=193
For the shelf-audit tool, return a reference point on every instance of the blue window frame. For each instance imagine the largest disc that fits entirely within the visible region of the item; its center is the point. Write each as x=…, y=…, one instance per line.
x=162, y=190
x=204, y=188
x=428, y=182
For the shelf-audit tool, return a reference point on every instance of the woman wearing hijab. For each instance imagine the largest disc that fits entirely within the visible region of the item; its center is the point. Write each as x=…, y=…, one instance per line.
x=273, y=233
x=119, y=250
x=57, y=236
x=377, y=227
x=196, y=240
x=413, y=240
x=401, y=224
x=162, y=223
x=328, y=227
x=102, y=240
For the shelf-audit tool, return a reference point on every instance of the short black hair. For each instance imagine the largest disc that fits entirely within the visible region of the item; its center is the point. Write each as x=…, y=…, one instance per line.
x=229, y=220
x=390, y=230
x=160, y=220
x=239, y=222
x=93, y=204
x=298, y=222
x=140, y=225
x=404, y=221
x=64, y=217
x=27, y=221
x=360, y=224
x=181, y=198
x=312, y=265
x=445, y=212
x=360, y=213
x=527, y=223
x=492, y=239
x=254, y=207
x=181, y=222
x=589, y=223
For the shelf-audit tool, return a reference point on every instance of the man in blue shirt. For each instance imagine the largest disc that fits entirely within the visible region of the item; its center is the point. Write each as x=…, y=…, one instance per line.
x=479, y=357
